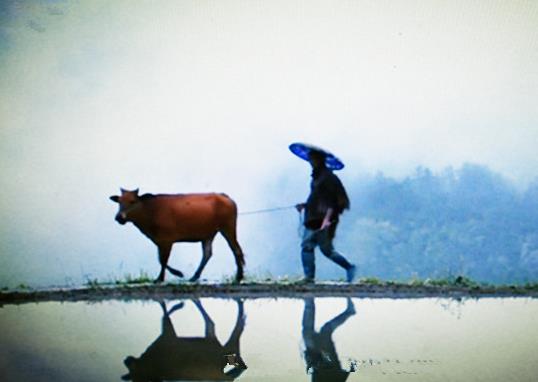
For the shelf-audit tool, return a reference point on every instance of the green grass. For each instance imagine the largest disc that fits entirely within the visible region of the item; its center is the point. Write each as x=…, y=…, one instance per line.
x=452, y=282
x=531, y=286
x=370, y=281
x=142, y=278
x=266, y=278
x=459, y=281
x=128, y=279
x=93, y=283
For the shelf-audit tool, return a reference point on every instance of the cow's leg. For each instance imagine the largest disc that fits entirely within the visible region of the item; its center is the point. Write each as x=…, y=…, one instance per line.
x=167, y=326
x=229, y=234
x=164, y=254
x=174, y=271
x=231, y=348
x=232, y=345
x=178, y=306
x=207, y=252
x=209, y=324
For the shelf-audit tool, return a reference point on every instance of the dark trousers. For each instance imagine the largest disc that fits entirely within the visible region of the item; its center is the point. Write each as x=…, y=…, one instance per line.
x=312, y=239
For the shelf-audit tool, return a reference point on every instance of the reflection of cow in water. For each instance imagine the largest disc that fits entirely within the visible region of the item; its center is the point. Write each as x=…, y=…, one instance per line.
x=171, y=357
x=321, y=359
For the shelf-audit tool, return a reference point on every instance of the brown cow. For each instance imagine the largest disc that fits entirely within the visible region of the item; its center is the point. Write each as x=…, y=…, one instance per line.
x=167, y=219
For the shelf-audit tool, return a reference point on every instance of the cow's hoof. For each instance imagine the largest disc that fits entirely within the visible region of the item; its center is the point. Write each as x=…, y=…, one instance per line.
x=194, y=279
x=157, y=281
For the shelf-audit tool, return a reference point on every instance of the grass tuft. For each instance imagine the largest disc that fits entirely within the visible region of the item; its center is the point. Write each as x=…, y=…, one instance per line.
x=370, y=281
x=142, y=278
x=531, y=286
x=128, y=279
x=93, y=283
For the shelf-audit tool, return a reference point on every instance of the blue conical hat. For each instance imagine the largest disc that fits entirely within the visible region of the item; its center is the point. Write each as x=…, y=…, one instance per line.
x=302, y=150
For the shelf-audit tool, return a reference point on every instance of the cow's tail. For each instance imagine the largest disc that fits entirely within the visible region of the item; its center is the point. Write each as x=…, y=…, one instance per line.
x=229, y=230
x=240, y=254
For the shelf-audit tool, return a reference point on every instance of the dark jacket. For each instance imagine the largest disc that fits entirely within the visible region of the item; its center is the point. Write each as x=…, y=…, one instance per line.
x=326, y=191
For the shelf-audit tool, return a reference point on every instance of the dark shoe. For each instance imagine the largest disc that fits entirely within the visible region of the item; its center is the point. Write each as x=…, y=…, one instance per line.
x=350, y=273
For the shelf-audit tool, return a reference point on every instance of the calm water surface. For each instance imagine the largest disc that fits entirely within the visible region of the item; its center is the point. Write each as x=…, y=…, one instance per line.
x=316, y=339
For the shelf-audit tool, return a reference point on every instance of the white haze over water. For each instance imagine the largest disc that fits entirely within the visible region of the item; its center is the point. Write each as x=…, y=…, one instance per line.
x=191, y=96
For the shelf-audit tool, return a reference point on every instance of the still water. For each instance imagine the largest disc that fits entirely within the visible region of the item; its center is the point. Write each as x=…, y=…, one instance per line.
x=312, y=339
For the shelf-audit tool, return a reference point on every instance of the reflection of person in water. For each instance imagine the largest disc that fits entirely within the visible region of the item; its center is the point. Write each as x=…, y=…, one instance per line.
x=320, y=353
x=171, y=357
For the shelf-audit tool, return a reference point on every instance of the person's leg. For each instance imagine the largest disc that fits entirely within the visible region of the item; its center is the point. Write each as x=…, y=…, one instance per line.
x=309, y=315
x=327, y=248
x=307, y=254
x=329, y=327
x=311, y=354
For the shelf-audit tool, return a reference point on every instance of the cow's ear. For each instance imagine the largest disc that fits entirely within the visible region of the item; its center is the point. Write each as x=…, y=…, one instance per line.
x=136, y=191
x=115, y=198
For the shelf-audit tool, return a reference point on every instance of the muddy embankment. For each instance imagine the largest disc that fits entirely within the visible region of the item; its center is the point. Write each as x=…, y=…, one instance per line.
x=261, y=290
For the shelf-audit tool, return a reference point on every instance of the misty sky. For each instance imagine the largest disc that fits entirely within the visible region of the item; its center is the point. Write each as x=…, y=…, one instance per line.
x=182, y=96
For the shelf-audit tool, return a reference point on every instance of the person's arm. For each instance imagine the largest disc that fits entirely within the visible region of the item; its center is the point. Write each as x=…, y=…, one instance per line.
x=327, y=219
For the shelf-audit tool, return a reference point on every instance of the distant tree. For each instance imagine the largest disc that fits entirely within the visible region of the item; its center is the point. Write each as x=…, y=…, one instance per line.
x=468, y=221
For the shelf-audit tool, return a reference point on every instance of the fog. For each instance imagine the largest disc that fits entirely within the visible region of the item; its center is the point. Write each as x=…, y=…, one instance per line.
x=195, y=96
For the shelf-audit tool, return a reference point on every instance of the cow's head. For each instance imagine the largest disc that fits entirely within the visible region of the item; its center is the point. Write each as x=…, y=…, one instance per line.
x=128, y=200
x=131, y=363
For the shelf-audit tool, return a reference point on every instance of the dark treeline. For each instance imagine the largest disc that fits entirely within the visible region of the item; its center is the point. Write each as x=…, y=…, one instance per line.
x=468, y=221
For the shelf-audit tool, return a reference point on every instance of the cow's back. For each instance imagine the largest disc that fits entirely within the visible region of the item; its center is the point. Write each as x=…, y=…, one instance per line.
x=185, y=217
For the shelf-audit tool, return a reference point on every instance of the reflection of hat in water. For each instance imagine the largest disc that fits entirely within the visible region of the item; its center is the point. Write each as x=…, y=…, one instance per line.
x=302, y=150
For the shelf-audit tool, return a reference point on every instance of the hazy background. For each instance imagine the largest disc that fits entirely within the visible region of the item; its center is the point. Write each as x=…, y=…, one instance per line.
x=431, y=105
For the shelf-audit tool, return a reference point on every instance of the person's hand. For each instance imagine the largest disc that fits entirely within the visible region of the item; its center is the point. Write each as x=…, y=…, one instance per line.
x=326, y=223
x=327, y=219
x=299, y=207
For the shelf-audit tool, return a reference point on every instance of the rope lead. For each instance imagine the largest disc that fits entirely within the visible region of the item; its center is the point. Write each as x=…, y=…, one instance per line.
x=266, y=210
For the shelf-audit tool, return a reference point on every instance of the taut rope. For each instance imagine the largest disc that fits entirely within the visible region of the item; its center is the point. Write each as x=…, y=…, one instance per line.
x=266, y=210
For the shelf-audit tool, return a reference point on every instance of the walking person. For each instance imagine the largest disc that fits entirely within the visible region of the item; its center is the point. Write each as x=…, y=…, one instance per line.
x=327, y=200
